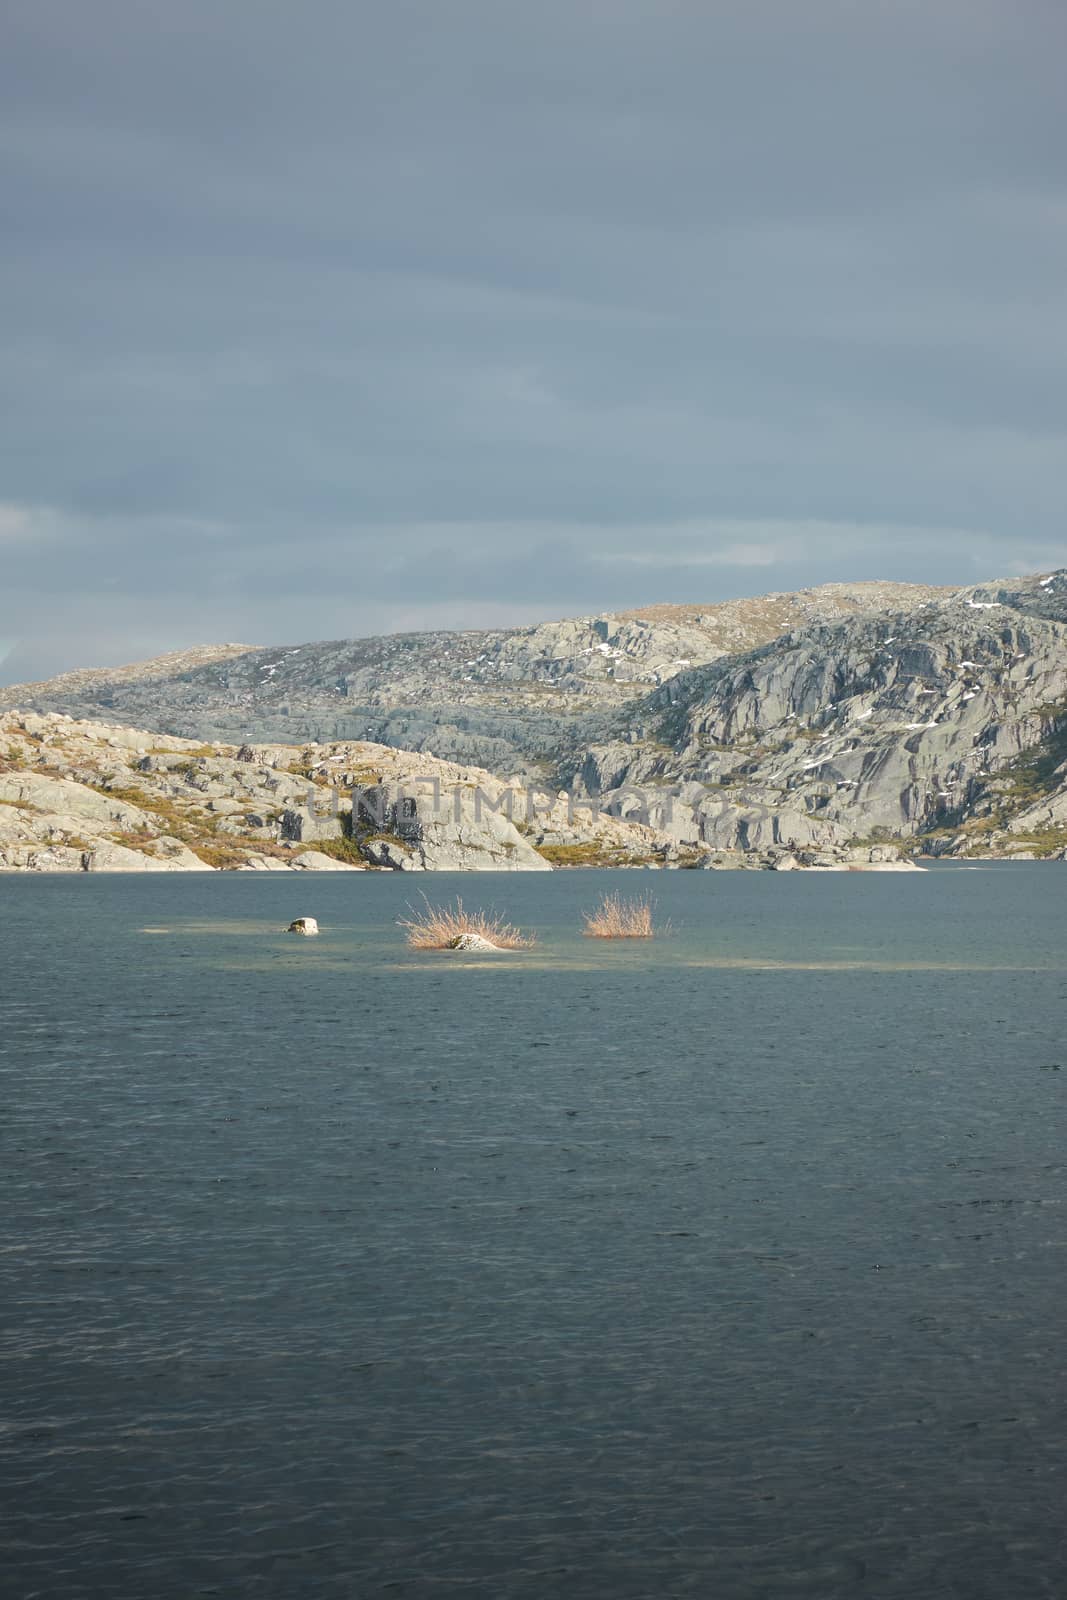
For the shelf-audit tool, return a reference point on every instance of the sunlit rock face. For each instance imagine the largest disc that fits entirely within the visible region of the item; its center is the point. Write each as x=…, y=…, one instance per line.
x=93, y=797
x=945, y=723
x=885, y=713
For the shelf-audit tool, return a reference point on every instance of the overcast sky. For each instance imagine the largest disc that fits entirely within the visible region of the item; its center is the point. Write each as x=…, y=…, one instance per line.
x=342, y=317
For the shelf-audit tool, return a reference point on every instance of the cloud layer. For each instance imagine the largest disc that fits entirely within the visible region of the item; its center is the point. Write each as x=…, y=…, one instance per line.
x=344, y=318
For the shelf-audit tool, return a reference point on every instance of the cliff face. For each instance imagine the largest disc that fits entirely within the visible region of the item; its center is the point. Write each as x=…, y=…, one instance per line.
x=944, y=725
x=507, y=699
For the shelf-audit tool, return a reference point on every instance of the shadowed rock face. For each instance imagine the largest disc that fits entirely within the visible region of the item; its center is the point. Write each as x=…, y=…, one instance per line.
x=507, y=699
x=946, y=722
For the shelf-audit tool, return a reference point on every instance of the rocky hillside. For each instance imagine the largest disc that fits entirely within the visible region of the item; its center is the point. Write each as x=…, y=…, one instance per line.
x=508, y=699
x=942, y=725
x=86, y=796
x=936, y=721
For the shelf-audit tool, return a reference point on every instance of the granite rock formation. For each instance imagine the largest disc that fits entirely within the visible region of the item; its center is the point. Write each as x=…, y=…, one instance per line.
x=87, y=796
x=943, y=727
x=506, y=699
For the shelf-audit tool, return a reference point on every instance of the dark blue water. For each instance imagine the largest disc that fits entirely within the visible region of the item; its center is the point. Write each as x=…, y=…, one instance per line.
x=730, y=1265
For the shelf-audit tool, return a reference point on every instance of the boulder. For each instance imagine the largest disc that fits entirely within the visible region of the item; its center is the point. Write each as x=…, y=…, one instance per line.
x=176, y=856
x=392, y=854
x=305, y=925
x=474, y=941
x=315, y=861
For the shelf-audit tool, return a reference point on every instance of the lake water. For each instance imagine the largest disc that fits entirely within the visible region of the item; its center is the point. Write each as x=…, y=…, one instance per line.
x=726, y=1266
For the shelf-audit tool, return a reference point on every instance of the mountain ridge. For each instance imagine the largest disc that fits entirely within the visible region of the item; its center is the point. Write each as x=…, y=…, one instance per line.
x=503, y=698
x=930, y=719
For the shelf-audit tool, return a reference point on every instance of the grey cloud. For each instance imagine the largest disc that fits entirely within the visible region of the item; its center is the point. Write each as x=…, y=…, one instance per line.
x=313, y=314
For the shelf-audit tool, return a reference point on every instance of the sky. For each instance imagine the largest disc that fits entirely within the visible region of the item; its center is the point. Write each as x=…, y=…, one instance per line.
x=343, y=318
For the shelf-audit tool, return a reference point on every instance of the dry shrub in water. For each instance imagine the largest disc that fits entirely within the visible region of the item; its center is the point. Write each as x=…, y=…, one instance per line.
x=438, y=927
x=615, y=918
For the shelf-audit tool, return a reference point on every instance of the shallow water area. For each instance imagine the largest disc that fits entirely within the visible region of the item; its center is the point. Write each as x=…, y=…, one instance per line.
x=728, y=1264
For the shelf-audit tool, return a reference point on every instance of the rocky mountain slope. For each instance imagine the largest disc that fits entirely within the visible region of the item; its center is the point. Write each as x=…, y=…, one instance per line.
x=936, y=721
x=86, y=796
x=942, y=725
x=508, y=699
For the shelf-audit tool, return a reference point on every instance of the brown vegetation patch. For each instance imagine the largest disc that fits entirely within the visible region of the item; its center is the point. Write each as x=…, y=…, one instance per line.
x=228, y=853
x=592, y=853
x=616, y=918
x=344, y=849
x=438, y=928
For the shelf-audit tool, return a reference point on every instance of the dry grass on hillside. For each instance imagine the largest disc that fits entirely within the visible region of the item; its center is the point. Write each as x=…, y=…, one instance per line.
x=438, y=928
x=615, y=918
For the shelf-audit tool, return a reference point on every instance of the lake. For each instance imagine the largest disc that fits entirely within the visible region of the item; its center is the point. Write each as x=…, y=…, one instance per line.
x=729, y=1265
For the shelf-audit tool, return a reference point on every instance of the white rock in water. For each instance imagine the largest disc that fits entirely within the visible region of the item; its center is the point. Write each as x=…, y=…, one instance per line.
x=473, y=941
x=305, y=925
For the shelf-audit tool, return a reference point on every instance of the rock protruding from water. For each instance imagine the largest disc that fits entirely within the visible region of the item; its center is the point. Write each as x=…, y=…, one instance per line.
x=305, y=925
x=474, y=941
